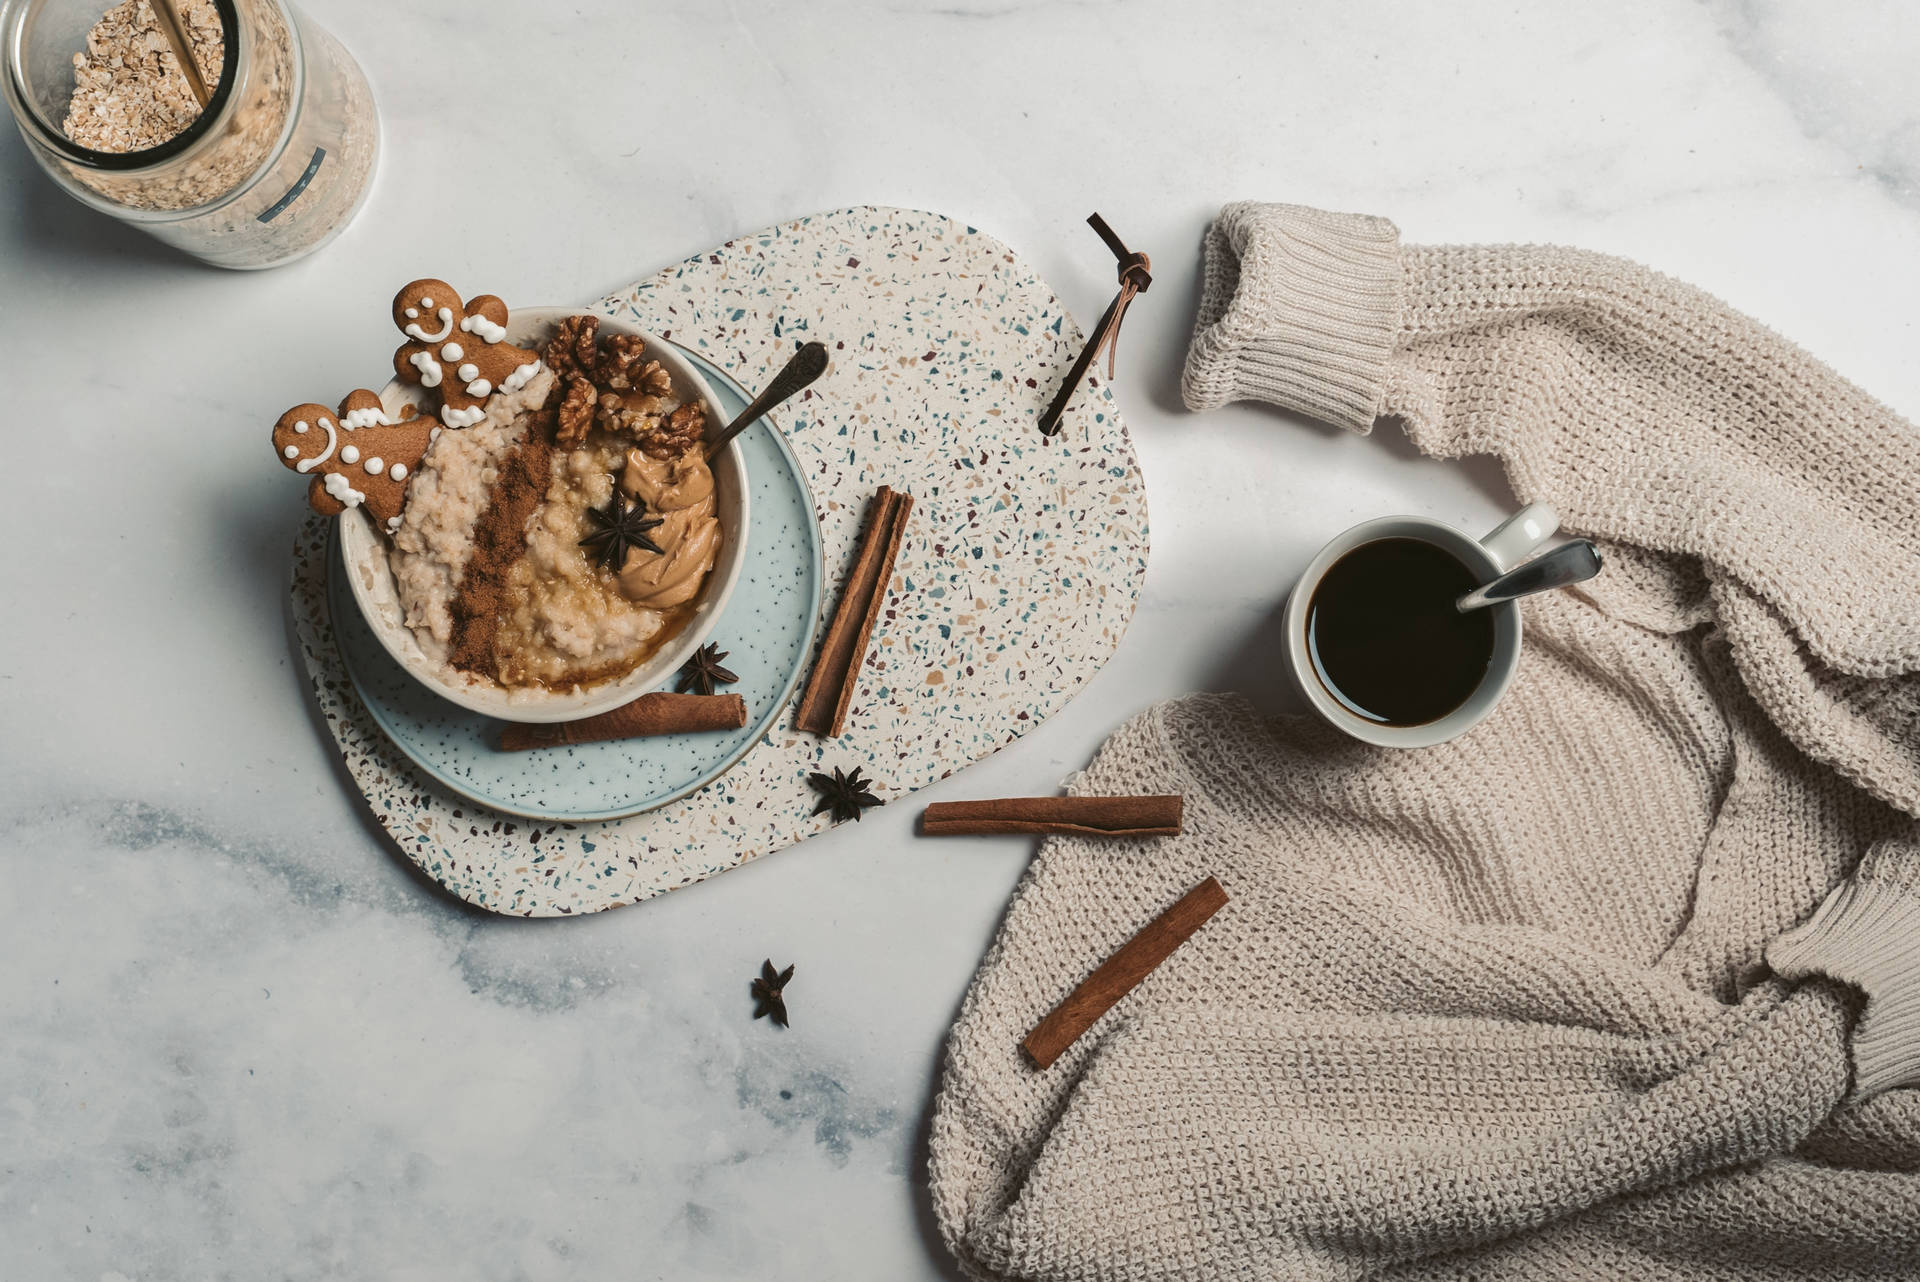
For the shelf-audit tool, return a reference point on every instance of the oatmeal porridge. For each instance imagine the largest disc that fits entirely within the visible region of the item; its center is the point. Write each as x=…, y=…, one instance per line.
x=565, y=537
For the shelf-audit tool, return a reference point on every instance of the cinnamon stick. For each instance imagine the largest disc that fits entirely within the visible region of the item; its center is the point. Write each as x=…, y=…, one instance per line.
x=1085, y=816
x=1117, y=976
x=650, y=714
x=823, y=709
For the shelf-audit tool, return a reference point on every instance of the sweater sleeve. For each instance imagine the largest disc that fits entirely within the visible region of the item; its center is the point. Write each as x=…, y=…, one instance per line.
x=1864, y=934
x=1297, y=307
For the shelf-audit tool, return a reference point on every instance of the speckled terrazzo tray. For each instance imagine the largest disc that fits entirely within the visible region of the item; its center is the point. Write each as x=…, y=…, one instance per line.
x=1016, y=577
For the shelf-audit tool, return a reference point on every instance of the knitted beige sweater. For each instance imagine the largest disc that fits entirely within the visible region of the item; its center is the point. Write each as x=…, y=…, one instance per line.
x=1545, y=1001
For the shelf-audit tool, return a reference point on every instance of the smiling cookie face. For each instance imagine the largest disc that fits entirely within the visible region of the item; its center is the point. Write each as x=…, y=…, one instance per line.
x=306, y=436
x=428, y=311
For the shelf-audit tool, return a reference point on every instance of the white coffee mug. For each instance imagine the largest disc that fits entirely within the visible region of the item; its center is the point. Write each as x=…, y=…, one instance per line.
x=1499, y=552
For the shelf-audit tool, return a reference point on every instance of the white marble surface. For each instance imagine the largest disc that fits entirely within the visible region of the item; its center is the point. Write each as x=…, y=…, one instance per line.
x=241, y=1041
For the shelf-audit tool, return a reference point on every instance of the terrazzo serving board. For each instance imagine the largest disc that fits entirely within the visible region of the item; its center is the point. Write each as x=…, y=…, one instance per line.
x=1016, y=577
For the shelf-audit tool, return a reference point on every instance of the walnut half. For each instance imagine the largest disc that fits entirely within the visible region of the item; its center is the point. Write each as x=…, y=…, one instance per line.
x=680, y=433
x=616, y=413
x=576, y=412
x=572, y=350
x=620, y=361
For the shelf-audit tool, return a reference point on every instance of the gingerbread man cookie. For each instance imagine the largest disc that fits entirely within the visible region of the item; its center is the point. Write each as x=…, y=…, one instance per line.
x=459, y=350
x=360, y=455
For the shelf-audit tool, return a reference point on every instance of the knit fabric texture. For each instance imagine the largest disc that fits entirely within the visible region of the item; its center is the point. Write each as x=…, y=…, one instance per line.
x=1503, y=1008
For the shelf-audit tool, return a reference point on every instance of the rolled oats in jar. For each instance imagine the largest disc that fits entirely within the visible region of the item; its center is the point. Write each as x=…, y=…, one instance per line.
x=273, y=166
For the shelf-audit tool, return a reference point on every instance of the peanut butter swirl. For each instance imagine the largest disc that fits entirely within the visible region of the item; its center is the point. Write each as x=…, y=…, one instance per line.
x=680, y=491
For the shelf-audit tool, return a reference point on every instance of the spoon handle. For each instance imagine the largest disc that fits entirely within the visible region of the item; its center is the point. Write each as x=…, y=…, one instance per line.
x=1568, y=563
x=174, y=32
x=809, y=363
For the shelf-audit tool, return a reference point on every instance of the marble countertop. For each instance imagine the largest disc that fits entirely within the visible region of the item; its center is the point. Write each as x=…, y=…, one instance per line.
x=243, y=1040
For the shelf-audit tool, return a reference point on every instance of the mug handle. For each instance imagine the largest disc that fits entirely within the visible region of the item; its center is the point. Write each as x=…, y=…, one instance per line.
x=1515, y=538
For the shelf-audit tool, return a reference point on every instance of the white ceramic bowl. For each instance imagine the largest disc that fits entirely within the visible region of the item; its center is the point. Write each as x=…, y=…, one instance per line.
x=371, y=578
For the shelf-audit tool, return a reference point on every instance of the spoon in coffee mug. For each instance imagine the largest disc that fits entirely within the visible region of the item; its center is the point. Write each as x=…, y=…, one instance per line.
x=809, y=363
x=1569, y=563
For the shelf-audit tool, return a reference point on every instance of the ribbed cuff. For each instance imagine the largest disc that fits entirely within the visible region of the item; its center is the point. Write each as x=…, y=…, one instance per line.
x=1865, y=934
x=1298, y=307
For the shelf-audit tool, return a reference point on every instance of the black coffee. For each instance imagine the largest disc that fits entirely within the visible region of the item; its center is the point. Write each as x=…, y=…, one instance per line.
x=1386, y=639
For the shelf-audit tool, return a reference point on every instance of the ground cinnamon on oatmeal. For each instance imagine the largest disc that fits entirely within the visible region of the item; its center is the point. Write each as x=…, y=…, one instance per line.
x=499, y=540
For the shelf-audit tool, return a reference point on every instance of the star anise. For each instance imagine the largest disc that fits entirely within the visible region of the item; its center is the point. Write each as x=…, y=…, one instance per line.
x=623, y=527
x=766, y=989
x=703, y=671
x=843, y=793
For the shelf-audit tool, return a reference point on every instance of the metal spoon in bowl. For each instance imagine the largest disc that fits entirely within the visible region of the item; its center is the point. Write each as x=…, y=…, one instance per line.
x=1568, y=563
x=809, y=363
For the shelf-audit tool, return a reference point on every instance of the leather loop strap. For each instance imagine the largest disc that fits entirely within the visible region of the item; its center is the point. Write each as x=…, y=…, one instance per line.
x=1136, y=274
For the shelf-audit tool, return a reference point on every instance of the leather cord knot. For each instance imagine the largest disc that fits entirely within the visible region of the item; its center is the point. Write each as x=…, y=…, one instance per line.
x=1135, y=275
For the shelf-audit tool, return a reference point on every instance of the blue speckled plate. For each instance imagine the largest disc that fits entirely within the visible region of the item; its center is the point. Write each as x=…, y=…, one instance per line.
x=767, y=629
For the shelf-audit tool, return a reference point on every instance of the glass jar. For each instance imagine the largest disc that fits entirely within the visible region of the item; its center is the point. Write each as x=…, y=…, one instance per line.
x=274, y=166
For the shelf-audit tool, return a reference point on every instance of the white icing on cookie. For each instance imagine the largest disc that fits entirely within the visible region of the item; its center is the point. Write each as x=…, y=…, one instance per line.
x=446, y=325
x=486, y=329
x=393, y=523
x=342, y=491
x=301, y=426
x=452, y=352
x=375, y=466
x=479, y=387
x=292, y=451
x=518, y=379
x=429, y=368
x=461, y=418
x=308, y=464
x=372, y=416
x=350, y=455
x=398, y=471
x=466, y=373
